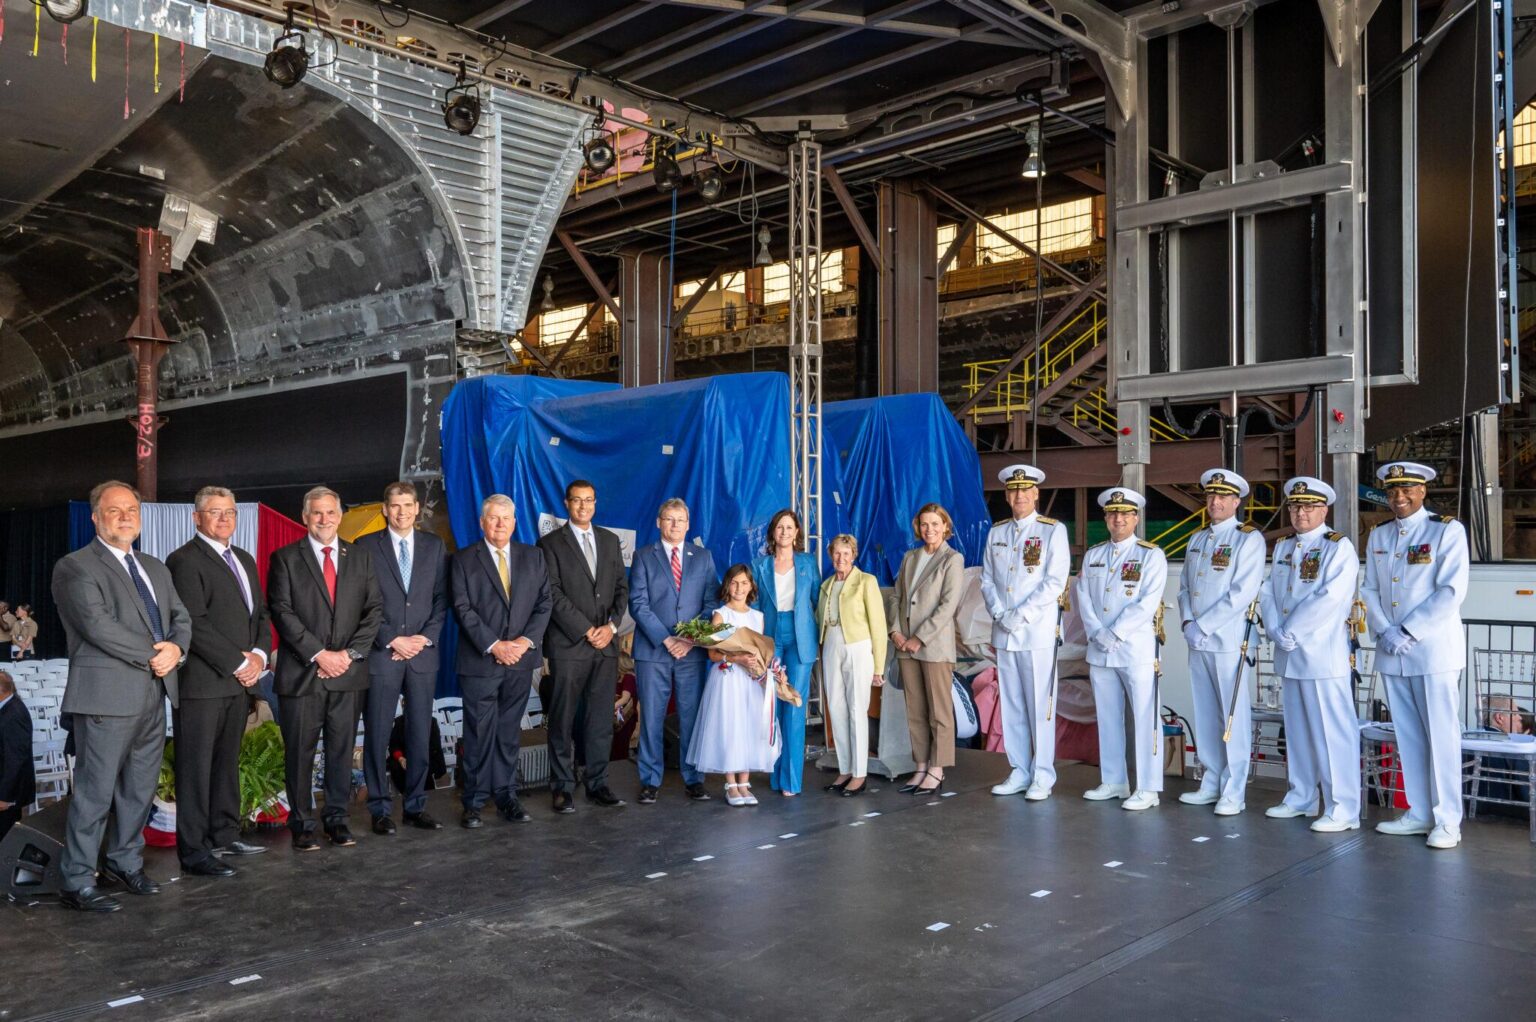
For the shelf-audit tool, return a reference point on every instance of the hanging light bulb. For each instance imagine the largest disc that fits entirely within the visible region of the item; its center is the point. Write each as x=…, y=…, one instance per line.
x=1034, y=166
x=764, y=257
x=548, y=303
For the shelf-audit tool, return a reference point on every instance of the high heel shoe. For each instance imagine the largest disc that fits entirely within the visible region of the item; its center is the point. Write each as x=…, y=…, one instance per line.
x=836, y=785
x=929, y=791
x=855, y=792
x=912, y=785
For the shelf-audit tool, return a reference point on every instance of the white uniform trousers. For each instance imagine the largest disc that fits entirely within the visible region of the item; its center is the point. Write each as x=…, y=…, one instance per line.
x=1112, y=686
x=846, y=673
x=1024, y=693
x=1426, y=715
x=1322, y=746
x=1211, y=677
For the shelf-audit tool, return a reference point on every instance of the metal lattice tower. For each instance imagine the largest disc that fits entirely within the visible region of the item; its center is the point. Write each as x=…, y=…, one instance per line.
x=805, y=333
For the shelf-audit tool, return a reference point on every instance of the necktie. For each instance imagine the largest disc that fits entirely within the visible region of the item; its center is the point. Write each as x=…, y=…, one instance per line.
x=501, y=570
x=405, y=563
x=229, y=559
x=147, y=595
x=677, y=570
x=328, y=569
x=588, y=552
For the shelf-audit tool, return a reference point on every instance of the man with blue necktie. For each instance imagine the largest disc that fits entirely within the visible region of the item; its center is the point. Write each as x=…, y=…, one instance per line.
x=669, y=582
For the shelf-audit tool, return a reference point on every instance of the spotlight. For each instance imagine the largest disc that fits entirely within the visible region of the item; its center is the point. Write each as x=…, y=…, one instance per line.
x=1034, y=166
x=599, y=154
x=709, y=183
x=461, y=105
x=764, y=257
x=65, y=11
x=286, y=64
x=548, y=304
x=666, y=173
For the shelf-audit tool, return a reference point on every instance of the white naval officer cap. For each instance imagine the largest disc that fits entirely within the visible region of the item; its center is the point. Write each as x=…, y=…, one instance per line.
x=1404, y=473
x=1307, y=490
x=1223, y=480
x=1020, y=477
x=1120, y=498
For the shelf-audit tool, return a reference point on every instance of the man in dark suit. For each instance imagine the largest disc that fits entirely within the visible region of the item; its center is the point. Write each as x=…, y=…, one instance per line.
x=589, y=591
x=326, y=605
x=127, y=633
x=669, y=582
x=231, y=644
x=501, y=597
x=412, y=571
x=18, y=782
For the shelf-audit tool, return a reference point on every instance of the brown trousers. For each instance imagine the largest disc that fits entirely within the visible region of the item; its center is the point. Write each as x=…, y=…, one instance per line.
x=930, y=710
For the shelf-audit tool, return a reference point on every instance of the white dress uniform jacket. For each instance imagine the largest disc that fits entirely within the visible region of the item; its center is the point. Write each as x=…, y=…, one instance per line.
x=1024, y=572
x=1308, y=594
x=1416, y=579
x=1120, y=589
x=1223, y=569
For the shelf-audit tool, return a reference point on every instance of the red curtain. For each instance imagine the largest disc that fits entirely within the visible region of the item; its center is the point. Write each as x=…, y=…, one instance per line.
x=273, y=530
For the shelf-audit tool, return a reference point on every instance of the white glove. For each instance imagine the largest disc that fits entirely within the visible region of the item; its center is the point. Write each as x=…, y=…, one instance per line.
x=1394, y=641
x=1286, y=641
x=1106, y=639
x=1194, y=636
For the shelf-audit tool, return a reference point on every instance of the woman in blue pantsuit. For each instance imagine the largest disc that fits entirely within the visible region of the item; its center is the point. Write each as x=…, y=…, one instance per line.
x=788, y=580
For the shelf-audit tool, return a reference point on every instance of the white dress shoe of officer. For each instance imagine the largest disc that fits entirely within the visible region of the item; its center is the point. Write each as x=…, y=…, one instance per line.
x=1141, y=800
x=1037, y=793
x=1443, y=837
x=1286, y=811
x=1333, y=825
x=1199, y=798
x=1104, y=792
x=1404, y=825
x=1015, y=783
x=1230, y=807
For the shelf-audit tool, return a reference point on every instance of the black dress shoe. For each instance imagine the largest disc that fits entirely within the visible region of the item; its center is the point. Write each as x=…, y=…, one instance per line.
x=561, y=803
x=383, y=825
x=604, y=797
x=697, y=793
x=913, y=782
x=835, y=786
x=89, y=899
x=305, y=841
x=340, y=836
x=930, y=791
x=648, y=795
x=856, y=792
x=240, y=848
x=513, y=812
x=470, y=820
x=422, y=821
x=209, y=867
x=137, y=882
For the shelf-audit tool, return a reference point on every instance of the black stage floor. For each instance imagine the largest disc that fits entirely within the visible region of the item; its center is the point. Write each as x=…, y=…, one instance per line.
x=881, y=907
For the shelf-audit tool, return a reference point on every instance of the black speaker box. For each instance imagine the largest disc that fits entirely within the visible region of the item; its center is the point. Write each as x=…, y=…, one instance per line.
x=30, y=853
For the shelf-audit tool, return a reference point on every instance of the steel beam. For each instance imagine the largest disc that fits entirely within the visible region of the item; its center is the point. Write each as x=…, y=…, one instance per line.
x=1176, y=464
x=908, y=339
x=1039, y=258
x=851, y=210
x=1264, y=378
x=1255, y=195
x=597, y=27
x=644, y=347
x=587, y=271
x=149, y=343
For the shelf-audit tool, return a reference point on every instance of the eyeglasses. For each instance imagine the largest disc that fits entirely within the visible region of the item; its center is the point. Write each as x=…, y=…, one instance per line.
x=219, y=513
x=581, y=500
x=675, y=521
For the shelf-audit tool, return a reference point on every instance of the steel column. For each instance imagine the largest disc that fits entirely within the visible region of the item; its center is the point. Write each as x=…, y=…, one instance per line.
x=148, y=342
x=907, y=231
x=644, y=301
x=805, y=334
x=1130, y=334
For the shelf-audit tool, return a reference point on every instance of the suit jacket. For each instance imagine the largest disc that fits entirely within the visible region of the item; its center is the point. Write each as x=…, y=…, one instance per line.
x=923, y=607
x=307, y=623
x=580, y=600
x=107, y=630
x=18, y=783
x=807, y=587
x=223, y=628
x=487, y=614
x=860, y=613
x=419, y=611
x=657, y=605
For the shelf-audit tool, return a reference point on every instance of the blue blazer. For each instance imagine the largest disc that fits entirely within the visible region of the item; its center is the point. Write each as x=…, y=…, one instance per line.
x=657, y=606
x=807, y=585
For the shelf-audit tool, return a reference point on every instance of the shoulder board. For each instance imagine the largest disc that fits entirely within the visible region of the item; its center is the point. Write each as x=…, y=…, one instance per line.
x=1445, y=519
x=1247, y=527
x=1145, y=545
x=1334, y=537
x=1046, y=521
x=1385, y=524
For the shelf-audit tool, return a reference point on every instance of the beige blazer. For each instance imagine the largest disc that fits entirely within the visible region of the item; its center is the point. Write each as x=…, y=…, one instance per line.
x=924, y=608
x=861, y=613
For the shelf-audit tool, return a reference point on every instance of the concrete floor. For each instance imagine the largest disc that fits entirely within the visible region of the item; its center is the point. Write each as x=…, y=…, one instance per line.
x=816, y=907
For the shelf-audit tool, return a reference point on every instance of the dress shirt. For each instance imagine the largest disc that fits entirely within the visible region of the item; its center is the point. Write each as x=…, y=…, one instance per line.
x=506, y=552
x=122, y=559
x=218, y=549
x=316, y=547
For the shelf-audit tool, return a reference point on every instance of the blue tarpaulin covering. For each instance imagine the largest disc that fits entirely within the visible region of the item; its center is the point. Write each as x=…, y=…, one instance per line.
x=722, y=444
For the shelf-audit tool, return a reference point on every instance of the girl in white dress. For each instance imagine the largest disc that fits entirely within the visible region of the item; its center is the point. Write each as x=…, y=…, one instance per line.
x=736, y=733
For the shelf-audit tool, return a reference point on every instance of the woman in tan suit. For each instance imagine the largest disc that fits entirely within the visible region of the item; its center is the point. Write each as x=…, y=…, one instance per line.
x=851, y=617
x=928, y=589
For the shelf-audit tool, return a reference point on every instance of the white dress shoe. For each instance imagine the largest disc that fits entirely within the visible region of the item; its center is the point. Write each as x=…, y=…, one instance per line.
x=1199, y=798
x=1037, y=793
x=1107, y=791
x=1286, y=811
x=1015, y=783
x=731, y=798
x=1230, y=807
x=1443, y=837
x=1141, y=800
x=1404, y=825
x=1330, y=825
x=747, y=798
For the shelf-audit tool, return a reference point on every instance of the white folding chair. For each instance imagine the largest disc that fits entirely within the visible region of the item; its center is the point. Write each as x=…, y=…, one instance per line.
x=1499, y=754
x=52, y=769
x=449, y=712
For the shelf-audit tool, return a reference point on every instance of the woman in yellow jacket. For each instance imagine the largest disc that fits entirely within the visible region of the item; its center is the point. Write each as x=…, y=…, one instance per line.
x=851, y=615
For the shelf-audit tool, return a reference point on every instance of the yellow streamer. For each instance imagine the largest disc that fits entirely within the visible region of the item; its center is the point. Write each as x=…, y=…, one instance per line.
x=157, y=64
x=37, y=26
x=94, y=22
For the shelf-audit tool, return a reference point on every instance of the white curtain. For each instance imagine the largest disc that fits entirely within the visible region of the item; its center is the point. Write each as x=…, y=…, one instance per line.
x=168, y=526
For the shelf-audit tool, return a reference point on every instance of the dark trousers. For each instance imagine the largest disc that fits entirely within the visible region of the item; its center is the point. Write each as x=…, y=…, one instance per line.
x=117, y=762
x=304, y=719
x=208, y=734
x=493, y=732
x=9, y=818
x=588, y=686
x=379, y=720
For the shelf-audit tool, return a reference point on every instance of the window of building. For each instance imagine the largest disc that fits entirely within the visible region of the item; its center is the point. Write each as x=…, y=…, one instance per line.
x=556, y=325
x=1063, y=226
x=776, y=277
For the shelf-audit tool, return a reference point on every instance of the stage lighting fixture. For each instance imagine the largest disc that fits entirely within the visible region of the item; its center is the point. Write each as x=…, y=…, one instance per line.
x=65, y=11
x=598, y=153
x=764, y=257
x=286, y=63
x=666, y=173
x=710, y=184
x=1034, y=166
x=461, y=105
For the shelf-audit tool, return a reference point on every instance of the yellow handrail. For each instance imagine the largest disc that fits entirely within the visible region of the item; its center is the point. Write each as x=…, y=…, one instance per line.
x=1057, y=354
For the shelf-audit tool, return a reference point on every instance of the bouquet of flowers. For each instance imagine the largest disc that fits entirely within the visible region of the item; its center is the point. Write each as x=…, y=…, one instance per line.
x=700, y=631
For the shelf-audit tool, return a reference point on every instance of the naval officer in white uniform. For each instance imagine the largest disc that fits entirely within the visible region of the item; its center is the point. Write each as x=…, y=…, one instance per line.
x=1022, y=578
x=1223, y=569
x=1415, y=582
x=1306, y=602
x=1119, y=592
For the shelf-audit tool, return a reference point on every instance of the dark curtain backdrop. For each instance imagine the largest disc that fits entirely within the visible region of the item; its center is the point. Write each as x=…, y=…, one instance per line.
x=31, y=540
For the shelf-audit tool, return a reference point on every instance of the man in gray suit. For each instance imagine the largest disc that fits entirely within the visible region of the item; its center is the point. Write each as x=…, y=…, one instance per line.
x=127, y=632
